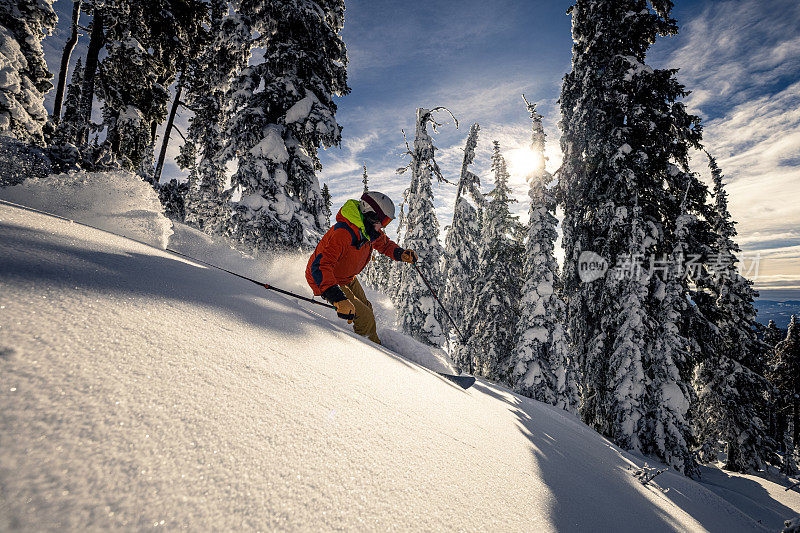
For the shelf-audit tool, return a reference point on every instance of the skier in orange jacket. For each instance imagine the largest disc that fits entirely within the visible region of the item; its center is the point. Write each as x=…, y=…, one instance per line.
x=345, y=250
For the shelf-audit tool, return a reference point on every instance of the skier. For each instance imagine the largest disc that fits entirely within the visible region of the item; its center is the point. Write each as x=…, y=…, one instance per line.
x=345, y=250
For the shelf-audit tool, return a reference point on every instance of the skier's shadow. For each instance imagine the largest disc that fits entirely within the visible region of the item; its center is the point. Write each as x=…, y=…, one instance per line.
x=587, y=508
x=577, y=503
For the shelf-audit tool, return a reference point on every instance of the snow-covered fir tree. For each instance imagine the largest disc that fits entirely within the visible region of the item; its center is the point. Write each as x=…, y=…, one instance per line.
x=773, y=334
x=735, y=294
x=541, y=366
x=143, y=41
x=785, y=374
x=625, y=143
x=494, y=313
x=418, y=313
x=462, y=249
x=208, y=77
x=731, y=392
x=283, y=110
x=776, y=414
x=722, y=381
x=172, y=195
x=668, y=402
x=70, y=123
x=327, y=203
x=394, y=268
x=376, y=273
x=24, y=78
x=128, y=89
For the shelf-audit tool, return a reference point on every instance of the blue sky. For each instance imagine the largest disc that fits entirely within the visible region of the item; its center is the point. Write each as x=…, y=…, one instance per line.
x=741, y=59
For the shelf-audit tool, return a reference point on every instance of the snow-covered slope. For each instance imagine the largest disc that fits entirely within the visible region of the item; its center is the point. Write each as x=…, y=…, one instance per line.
x=141, y=390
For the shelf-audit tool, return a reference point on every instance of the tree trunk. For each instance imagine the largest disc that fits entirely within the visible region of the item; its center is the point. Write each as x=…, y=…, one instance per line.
x=154, y=125
x=65, y=55
x=153, y=132
x=167, y=130
x=112, y=135
x=96, y=42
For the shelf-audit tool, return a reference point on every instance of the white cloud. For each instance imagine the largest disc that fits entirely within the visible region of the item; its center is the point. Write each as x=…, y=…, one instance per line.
x=758, y=148
x=760, y=238
x=735, y=49
x=741, y=60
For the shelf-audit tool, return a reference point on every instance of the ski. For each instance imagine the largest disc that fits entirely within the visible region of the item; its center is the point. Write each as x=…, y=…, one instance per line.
x=464, y=382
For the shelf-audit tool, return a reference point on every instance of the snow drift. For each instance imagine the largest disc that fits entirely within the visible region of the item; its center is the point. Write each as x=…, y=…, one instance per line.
x=119, y=202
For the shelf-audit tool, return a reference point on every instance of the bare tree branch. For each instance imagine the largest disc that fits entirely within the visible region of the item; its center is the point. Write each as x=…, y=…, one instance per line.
x=176, y=128
x=451, y=114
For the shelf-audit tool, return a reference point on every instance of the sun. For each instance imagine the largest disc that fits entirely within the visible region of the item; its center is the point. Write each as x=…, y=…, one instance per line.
x=522, y=162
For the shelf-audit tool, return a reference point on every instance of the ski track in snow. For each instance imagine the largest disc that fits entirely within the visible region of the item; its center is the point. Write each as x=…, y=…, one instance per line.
x=141, y=390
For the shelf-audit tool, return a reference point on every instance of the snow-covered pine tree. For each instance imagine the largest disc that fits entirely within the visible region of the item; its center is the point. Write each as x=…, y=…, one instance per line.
x=773, y=334
x=776, y=414
x=625, y=143
x=668, y=401
x=494, y=313
x=24, y=77
x=192, y=24
x=731, y=391
x=376, y=273
x=69, y=127
x=144, y=41
x=172, y=195
x=371, y=273
x=418, y=313
x=328, y=204
x=394, y=269
x=127, y=87
x=283, y=111
x=735, y=293
x=227, y=48
x=785, y=374
x=462, y=249
x=541, y=366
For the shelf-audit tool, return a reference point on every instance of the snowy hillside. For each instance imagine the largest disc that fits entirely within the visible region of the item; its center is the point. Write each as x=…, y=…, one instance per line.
x=138, y=390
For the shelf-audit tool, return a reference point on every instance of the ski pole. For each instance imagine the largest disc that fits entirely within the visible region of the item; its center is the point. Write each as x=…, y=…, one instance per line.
x=460, y=335
x=259, y=283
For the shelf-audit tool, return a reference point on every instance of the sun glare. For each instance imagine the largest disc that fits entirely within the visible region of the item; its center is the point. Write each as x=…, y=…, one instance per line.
x=522, y=162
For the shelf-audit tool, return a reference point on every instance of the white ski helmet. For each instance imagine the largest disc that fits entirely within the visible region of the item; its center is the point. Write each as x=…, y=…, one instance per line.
x=378, y=203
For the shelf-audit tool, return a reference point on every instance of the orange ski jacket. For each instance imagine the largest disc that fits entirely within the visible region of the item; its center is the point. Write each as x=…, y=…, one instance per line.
x=343, y=253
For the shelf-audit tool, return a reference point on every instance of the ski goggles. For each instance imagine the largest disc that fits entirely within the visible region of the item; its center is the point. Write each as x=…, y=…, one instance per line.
x=377, y=212
x=372, y=218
